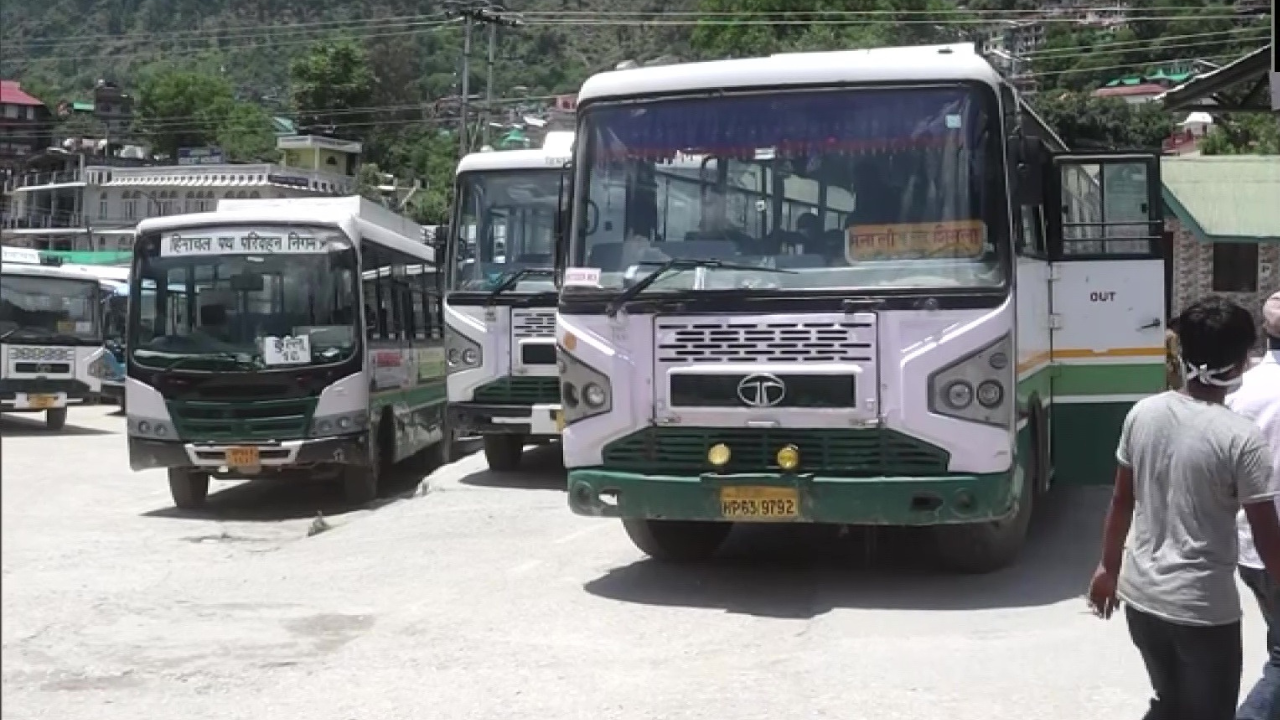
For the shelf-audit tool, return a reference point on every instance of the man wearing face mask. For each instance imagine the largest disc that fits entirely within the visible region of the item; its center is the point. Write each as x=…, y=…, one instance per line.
x=1259, y=400
x=1186, y=467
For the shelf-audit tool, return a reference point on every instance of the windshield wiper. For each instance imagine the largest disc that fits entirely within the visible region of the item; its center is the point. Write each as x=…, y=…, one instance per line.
x=512, y=279
x=220, y=355
x=679, y=264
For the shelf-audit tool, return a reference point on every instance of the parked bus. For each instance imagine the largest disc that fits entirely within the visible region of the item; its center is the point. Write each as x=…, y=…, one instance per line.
x=50, y=336
x=283, y=338
x=500, y=298
x=887, y=296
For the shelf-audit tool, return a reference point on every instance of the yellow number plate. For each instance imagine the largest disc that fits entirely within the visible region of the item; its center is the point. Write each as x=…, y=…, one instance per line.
x=242, y=457
x=759, y=503
x=42, y=402
x=559, y=418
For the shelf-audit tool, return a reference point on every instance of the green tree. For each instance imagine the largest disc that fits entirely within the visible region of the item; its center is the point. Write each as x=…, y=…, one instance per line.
x=180, y=108
x=1243, y=135
x=245, y=133
x=1085, y=121
x=805, y=25
x=332, y=86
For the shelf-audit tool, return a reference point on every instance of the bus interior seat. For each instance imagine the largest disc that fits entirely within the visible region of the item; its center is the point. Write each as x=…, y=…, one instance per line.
x=701, y=249
x=606, y=256
x=795, y=262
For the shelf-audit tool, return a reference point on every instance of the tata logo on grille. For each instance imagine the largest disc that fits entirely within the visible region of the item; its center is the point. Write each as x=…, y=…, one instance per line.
x=761, y=390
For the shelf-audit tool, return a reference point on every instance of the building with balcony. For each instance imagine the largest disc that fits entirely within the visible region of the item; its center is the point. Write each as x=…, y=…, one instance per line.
x=94, y=202
x=26, y=126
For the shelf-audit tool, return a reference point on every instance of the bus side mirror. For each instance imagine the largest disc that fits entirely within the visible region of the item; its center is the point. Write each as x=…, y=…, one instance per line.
x=1030, y=164
x=440, y=239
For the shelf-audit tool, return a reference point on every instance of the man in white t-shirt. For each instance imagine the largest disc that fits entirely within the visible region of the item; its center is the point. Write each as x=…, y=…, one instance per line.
x=1259, y=400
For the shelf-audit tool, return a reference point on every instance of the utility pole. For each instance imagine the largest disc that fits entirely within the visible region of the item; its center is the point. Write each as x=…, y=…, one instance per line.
x=492, y=15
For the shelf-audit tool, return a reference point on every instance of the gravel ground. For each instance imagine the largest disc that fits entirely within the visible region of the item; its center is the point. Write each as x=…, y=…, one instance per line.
x=485, y=598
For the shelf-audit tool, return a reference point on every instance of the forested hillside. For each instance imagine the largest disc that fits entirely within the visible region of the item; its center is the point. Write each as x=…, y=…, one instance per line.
x=387, y=72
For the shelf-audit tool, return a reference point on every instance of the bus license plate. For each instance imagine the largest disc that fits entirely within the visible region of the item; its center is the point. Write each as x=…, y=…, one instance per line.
x=242, y=457
x=42, y=402
x=759, y=503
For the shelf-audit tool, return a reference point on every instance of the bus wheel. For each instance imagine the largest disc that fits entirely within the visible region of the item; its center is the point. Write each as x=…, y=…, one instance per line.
x=677, y=541
x=188, y=487
x=986, y=547
x=55, y=418
x=360, y=482
x=504, y=452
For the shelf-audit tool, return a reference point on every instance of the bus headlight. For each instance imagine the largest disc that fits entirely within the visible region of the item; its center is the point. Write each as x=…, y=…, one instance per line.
x=98, y=368
x=460, y=352
x=584, y=391
x=151, y=429
x=990, y=393
x=338, y=423
x=974, y=387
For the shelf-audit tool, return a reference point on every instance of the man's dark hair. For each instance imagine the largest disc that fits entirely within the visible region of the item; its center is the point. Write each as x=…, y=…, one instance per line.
x=1215, y=332
x=1173, y=323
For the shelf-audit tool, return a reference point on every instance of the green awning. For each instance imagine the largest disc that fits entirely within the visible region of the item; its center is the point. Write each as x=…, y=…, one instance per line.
x=92, y=257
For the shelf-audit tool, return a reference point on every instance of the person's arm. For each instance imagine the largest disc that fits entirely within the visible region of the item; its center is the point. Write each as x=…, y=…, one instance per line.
x=1257, y=484
x=1102, y=589
x=1119, y=516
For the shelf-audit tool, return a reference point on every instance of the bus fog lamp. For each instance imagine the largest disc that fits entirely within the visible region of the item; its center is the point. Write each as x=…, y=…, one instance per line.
x=788, y=458
x=999, y=361
x=594, y=395
x=959, y=395
x=719, y=455
x=990, y=393
x=569, y=394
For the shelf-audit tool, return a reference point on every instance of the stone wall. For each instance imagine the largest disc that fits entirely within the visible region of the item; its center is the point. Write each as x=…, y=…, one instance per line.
x=1193, y=271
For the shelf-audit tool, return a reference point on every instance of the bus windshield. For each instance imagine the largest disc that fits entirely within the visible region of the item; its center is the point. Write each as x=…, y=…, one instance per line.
x=506, y=222
x=865, y=188
x=35, y=308
x=266, y=296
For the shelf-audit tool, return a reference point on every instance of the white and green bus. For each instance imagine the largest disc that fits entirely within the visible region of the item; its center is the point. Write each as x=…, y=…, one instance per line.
x=500, y=298
x=50, y=336
x=283, y=338
x=855, y=288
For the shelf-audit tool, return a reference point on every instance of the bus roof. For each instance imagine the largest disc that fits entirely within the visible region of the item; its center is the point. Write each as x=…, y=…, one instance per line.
x=374, y=222
x=46, y=271
x=552, y=156
x=920, y=63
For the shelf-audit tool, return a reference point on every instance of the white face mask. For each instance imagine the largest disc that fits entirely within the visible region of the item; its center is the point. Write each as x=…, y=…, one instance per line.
x=1208, y=376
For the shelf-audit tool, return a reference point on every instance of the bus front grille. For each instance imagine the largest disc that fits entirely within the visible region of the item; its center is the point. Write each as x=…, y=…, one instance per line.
x=519, y=391
x=687, y=339
x=213, y=421
x=833, y=451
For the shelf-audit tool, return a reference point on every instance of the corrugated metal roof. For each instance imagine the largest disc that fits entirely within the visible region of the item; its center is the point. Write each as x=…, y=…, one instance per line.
x=1227, y=197
x=11, y=93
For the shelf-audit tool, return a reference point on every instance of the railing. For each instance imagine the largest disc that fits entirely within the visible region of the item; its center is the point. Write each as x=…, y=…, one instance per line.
x=44, y=178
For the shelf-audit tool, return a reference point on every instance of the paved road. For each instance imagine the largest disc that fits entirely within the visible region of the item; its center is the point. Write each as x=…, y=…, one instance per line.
x=485, y=598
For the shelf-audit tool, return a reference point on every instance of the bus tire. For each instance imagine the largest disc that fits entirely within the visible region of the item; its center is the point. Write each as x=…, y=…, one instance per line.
x=1039, y=466
x=504, y=452
x=360, y=482
x=189, y=488
x=55, y=418
x=979, y=548
x=677, y=541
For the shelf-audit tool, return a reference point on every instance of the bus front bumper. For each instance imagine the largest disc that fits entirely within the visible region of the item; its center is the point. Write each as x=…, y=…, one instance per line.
x=34, y=395
x=541, y=420
x=811, y=498
x=145, y=454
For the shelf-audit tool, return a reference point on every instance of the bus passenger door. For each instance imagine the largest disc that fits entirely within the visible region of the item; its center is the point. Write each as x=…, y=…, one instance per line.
x=1107, y=303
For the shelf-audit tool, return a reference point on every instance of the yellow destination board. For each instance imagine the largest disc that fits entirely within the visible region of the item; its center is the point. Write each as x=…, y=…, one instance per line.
x=905, y=241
